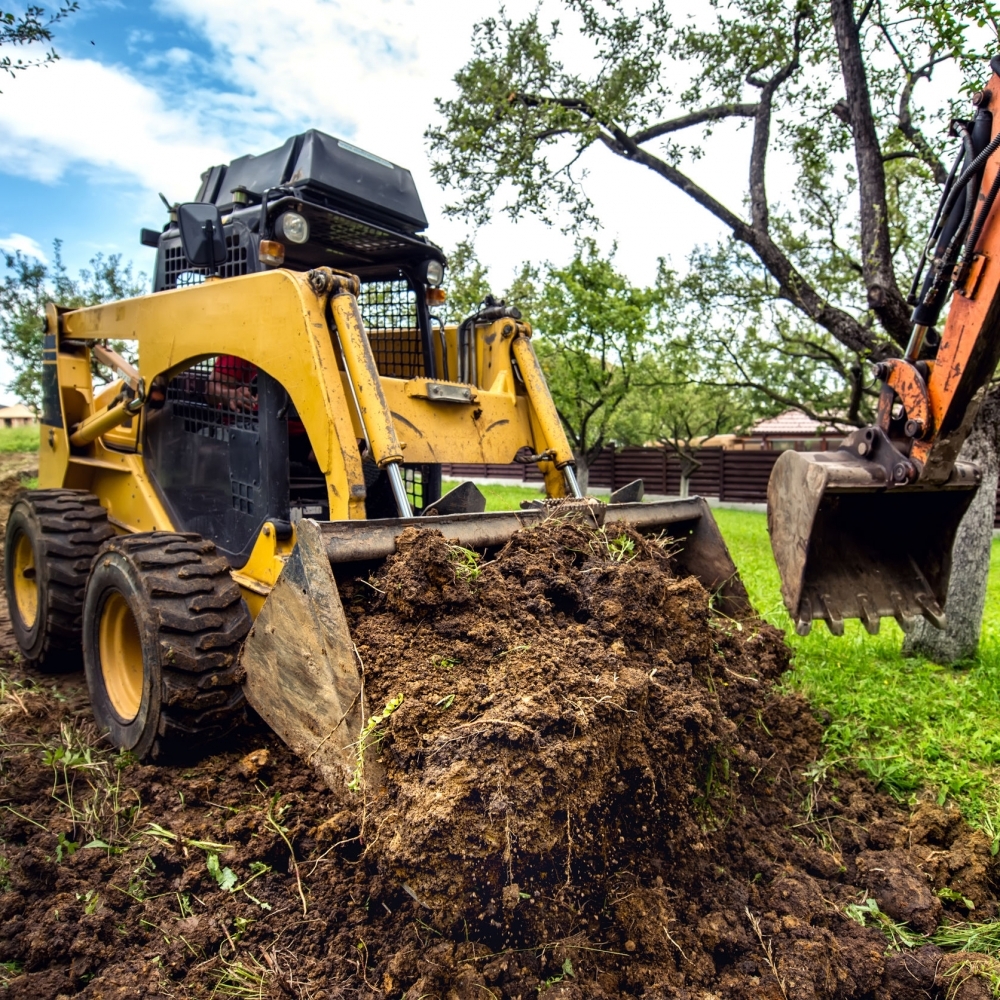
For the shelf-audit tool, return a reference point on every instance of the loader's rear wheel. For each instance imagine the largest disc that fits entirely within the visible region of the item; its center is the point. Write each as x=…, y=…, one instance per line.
x=52, y=536
x=163, y=623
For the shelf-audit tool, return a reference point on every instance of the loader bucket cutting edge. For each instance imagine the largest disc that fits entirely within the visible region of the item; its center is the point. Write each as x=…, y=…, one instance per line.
x=848, y=547
x=303, y=675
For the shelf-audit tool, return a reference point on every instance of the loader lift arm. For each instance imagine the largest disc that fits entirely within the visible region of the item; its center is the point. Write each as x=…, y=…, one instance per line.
x=867, y=531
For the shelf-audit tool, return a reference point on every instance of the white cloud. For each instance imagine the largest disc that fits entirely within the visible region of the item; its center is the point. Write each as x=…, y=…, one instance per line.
x=368, y=70
x=27, y=246
x=79, y=111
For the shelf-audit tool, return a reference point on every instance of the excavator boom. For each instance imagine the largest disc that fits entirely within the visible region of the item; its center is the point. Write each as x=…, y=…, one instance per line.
x=867, y=531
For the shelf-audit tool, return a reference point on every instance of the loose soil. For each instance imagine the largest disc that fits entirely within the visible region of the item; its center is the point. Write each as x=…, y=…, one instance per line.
x=591, y=787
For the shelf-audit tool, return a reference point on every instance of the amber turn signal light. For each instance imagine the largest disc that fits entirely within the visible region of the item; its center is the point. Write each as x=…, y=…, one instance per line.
x=436, y=296
x=272, y=252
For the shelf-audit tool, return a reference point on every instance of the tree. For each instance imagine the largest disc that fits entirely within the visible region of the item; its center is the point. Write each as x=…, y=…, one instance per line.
x=32, y=26
x=672, y=405
x=593, y=329
x=468, y=283
x=834, y=88
x=28, y=285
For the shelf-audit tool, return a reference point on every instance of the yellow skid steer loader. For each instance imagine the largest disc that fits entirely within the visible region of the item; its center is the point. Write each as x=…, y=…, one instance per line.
x=293, y=400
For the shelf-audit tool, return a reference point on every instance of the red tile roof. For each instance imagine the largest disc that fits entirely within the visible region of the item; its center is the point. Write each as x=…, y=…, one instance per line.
x=793, y=423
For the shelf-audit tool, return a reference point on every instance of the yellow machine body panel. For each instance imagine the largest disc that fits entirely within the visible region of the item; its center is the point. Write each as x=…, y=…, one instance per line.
x=279, y=323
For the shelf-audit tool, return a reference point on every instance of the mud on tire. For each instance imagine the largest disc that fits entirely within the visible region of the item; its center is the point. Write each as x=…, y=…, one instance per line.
x=53, y=535
x=163, y=624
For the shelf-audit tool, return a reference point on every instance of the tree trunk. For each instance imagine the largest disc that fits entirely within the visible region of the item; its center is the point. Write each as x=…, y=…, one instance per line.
x=582, y=470
x=971, y=556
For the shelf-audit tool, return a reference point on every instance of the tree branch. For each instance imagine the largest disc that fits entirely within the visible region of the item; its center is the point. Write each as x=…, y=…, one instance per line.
x=917, y=138
x=884, y=296
x=695, y=118
x=762, y=133
x=792, y=286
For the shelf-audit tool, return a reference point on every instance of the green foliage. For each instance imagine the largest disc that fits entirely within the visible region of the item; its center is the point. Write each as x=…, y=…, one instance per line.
x=17, y=440
x=466, y=563
x=761, y=352
x=951, y=896
x=25, y=289
x=225, y=877
x=467, y=283
x=900, y=934
x=566, y=969
x=29, y=27
x=370, y=737
x=983, y=938
x=678, y=403
x=594, y=328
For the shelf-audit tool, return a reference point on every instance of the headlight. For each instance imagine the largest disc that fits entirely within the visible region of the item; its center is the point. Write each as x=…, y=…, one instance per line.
x=292, y=227
x=434, y=273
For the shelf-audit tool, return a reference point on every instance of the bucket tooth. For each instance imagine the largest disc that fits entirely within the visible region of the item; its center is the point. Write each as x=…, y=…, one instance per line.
x=466, y=498
x=834, y=619
x=906, y=621
x=869, y=615
x=932, y=610
x=804, y=623
x=630, y=493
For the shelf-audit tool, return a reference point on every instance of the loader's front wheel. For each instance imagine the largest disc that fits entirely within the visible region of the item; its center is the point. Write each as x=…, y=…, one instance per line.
x=51, y=538
x=163, y=624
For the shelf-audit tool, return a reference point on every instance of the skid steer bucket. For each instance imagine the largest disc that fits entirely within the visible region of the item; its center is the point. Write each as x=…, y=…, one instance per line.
x=303, y=676
x=849, y=547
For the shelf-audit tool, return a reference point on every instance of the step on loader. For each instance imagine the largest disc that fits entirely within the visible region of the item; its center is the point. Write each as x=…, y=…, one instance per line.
x=867, y=531
x=292, y=400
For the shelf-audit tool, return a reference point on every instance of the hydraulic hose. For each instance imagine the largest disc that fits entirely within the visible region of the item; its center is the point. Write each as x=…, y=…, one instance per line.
x=953, y=221
x=968, y=251
x=963, y=154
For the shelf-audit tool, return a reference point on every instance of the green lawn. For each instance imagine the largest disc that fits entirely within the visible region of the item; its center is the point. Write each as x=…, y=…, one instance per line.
x=908, y=723
x=18, y=439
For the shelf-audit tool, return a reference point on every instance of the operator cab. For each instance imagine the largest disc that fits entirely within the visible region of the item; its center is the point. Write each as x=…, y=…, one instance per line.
x=227, y=451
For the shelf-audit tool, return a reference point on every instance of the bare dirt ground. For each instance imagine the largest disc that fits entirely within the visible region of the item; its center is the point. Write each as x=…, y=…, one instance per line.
x=589, y=788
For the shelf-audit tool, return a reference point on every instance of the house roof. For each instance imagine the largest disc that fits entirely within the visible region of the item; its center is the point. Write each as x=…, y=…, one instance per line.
x=17, y=410
x=793, y=423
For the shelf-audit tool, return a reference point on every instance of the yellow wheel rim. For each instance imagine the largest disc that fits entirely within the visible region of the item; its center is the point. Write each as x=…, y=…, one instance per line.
x=121, y=656
x=25, y=581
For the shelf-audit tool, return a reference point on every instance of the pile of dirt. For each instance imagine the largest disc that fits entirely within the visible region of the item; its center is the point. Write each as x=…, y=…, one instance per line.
x=582, y=784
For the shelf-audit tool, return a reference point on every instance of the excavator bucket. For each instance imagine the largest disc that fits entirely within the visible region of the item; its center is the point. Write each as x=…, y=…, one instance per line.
x=303, y=676
x=849, y=547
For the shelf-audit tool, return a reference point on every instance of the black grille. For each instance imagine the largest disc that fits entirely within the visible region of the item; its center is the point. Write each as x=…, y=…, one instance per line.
x=422, y=484
x=413, y=480
x=214, y=395
x=350, y=236
x=243, y=496
x=178, y=273
x=389, y=309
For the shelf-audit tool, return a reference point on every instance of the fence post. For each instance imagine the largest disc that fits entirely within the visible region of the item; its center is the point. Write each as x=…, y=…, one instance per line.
x=722, y=475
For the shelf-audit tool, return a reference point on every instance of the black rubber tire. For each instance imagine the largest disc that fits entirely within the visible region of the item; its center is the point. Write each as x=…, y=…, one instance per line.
x=191, y=621
x=65, y=528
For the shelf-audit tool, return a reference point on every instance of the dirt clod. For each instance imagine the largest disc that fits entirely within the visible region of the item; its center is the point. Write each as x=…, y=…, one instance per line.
x=591, y=788
x=253, y=763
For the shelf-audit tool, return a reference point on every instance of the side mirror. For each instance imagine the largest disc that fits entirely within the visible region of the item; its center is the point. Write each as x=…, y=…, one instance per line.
x=202, y=235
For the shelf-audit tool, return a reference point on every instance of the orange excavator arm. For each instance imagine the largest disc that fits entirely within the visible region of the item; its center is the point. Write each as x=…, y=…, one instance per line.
x=867, y=531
